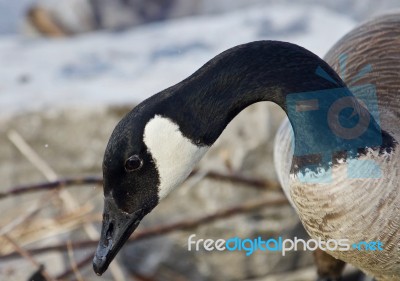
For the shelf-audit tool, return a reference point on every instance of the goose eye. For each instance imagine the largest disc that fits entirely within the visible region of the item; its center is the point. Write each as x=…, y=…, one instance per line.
x=133, y=163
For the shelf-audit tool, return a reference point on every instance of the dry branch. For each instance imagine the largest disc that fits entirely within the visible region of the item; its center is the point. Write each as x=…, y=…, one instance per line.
x=31, y=155
x=25, y=254
x=73, y=262
x=56, y=184
x=181, y=225
x=160, y=230
x=71, y=270
x=30, y=188
x=68, y=200
x=97, y=180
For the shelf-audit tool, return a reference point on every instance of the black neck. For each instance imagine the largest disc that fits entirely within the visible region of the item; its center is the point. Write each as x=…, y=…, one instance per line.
x=204, y=103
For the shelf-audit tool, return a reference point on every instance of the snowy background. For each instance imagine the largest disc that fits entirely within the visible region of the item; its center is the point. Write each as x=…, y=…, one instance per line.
x=130, y=65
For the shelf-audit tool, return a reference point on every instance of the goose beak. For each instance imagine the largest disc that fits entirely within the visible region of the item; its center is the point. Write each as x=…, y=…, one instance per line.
x=116, y=229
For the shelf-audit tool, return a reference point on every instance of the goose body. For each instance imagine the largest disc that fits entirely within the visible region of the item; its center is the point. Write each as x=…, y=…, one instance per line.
x=155, y=146
x=358, y=209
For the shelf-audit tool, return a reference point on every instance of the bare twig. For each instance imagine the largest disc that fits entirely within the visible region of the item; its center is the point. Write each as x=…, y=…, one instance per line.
x=73, y=262
x=160, y=230
x=30, y=212
x=97, y=180
x=21, y=251
x=180, y=225
x=19, y=190
x=70, y=204
x=85, y=261
x=263, y=184
x=31, y=155
x=25, y=254
x=68, y=201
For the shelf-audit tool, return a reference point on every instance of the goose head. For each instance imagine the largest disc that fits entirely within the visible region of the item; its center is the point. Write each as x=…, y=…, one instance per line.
x=147, y=157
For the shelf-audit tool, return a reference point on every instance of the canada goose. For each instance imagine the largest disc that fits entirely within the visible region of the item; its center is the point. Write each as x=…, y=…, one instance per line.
x=154, y=148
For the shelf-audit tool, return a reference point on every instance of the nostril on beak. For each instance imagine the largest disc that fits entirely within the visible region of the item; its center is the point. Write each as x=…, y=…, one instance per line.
x=109, y=233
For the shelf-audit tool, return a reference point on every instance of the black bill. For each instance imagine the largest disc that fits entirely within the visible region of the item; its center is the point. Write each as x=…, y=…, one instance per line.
x=116, y=229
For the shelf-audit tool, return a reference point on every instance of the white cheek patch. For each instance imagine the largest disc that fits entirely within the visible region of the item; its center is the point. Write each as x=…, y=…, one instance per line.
x=175, y=155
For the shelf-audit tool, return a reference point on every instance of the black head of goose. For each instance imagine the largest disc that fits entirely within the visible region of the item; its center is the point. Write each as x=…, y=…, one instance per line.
x=154, y=147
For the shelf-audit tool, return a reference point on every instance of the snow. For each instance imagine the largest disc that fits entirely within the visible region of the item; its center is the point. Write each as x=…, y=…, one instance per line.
x=129, y=66
x=11, y=13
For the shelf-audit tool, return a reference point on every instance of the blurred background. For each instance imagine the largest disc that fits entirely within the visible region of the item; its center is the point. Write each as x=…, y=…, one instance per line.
x=70, y=69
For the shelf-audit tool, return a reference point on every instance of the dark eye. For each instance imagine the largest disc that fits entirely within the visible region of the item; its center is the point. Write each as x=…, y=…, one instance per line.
x=133, y=163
